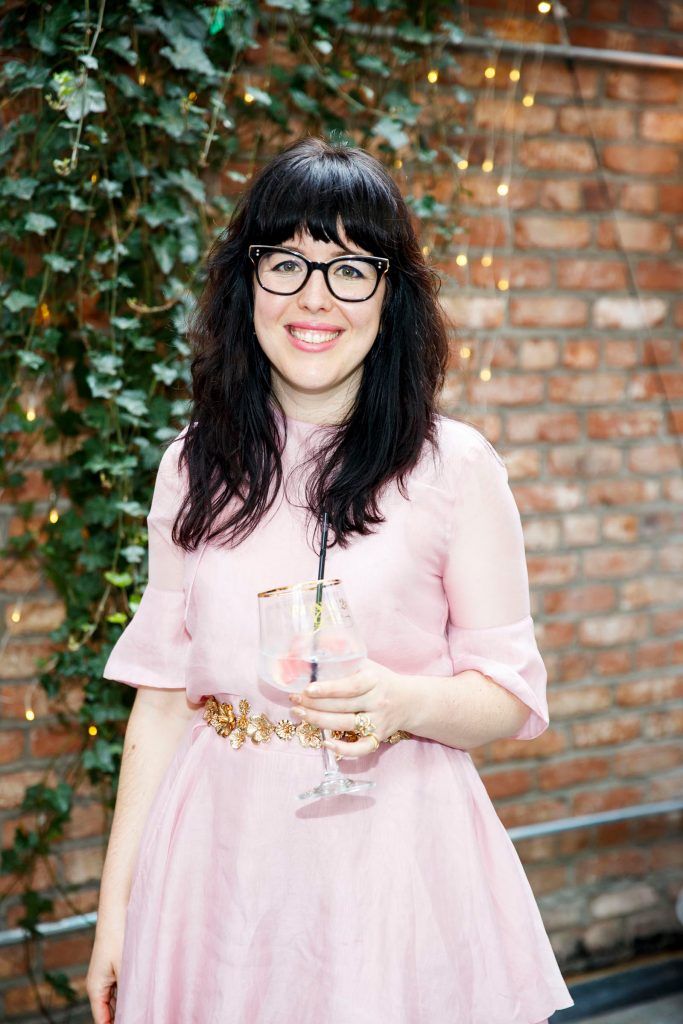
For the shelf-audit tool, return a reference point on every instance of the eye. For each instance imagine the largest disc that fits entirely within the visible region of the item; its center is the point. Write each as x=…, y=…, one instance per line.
x=349, y=271
x=286, y=266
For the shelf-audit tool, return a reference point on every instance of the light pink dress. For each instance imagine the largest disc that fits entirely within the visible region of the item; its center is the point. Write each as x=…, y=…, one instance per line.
x=408, y=904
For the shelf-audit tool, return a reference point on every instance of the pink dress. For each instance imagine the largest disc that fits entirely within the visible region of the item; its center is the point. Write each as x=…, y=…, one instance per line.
x=407, y=904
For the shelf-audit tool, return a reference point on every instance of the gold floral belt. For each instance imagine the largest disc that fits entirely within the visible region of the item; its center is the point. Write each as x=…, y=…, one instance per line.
x=259, y=728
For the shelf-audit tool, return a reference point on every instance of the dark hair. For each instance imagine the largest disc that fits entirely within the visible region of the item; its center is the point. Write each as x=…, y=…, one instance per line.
x=232, y=446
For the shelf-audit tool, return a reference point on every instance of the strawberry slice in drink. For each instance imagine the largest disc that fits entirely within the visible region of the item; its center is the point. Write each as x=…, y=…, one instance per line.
x=294, y=668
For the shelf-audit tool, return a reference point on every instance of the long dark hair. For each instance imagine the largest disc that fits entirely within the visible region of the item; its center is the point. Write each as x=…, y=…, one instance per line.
x=232, y=446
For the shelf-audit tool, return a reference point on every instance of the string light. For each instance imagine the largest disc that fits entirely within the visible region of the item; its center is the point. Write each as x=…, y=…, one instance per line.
x=29, y=714
x=487, y=166
x=528, y=100
x=398, y=163
x=92, y=730
x=54, y=515
x=503, y=284
x=45, y=312
x=514, y=75
x=142, y=78
x=16, y=614
x=485, y=374
x=425, y=250
x=31, y=413
x=486, y=260
x=93, y=177
x=433, y=76
x=463, y=164
x=192, y=96
x=461, y=259
x=490, y=72
x=544, y=7
x=465, y=352
x=503, y=188
x=248, y=97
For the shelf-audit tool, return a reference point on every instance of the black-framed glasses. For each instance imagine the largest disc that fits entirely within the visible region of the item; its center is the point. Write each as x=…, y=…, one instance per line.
x=285, y=272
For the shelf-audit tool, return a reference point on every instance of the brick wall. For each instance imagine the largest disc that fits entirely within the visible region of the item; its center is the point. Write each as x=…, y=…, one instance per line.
x=586, y=407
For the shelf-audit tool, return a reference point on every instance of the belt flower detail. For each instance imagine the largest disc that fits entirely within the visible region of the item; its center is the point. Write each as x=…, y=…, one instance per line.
x=259, y=728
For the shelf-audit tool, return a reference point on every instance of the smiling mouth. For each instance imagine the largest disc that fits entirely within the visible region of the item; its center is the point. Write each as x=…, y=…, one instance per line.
x=313, y=337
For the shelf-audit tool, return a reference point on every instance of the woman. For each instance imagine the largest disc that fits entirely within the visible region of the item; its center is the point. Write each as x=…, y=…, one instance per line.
x=315, y=381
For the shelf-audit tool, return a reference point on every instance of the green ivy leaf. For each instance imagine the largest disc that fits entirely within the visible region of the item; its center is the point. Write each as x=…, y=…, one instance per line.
x=16, y=301
x=118, y=579
x=39, y=223
x=59, y=264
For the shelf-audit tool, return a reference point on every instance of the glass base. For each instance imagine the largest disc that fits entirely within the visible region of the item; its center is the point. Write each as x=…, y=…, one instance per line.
x=336, y=785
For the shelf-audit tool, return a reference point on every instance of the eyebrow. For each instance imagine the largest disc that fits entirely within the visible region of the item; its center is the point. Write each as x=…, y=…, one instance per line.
x=337, y=252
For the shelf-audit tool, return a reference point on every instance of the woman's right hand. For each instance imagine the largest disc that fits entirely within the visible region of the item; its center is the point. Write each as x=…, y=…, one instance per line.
x=103, y=973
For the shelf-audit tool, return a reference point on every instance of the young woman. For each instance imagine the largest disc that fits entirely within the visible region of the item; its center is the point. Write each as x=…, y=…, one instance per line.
x=320, y=354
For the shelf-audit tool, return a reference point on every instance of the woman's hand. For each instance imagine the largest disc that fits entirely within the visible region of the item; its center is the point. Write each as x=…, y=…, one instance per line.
x=103, y=971
x=384, y=696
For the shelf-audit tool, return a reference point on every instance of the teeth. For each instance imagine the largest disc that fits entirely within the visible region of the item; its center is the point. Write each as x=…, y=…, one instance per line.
x=314, y=336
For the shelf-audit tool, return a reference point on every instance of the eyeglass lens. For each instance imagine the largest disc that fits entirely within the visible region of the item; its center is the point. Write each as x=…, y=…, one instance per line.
x=349, y=279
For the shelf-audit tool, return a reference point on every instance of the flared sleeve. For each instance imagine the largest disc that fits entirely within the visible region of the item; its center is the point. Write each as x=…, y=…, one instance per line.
x=152, y=649
x=490, y=628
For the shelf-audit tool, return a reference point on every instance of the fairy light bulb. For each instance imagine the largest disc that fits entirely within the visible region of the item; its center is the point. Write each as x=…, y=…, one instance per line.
x=514, y=75
x=465, y=352
x=485, y=374
x=461, y=259
x=486, y=260
x=433, y=76
x=93, y=178
x=16, y=614
x=398, y=164
x=490, y=72
x=425, y=250
x=192, y=96
x=29, y=714
x=248, y=97
x=544, y=7
x=142, y=78
x=502, y=189
x=463, y=164
x=503, y=284
x=31, y=413
x=528, y=100
x=54, y=515
x=487, y=166
x=92, y=730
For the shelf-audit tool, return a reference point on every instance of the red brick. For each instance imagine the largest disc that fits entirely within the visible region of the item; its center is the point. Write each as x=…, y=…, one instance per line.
x=566, y=701
x=12, y=744
x=628, y=314
x=501, y=115
x=606, y=731
x=19, y=659
x=664, y=723
x=581, y=354
x=18, y=576
x=603, y=122
x=559, y=81
x=649, y=760
x=639, y=160
x=588, y=599
x=548, y=744
x=485, y=232
x=643, y=691
x=671, y=198
x=657, y=458
x=552, y=568
x=660, y=275
x=662, y=125
x=526, y=390
x=545, y=878
x=641, y=423
x=473, y=311
x=625, y=528
x=552, y=233
x=521, y=271
x=83, y=864
x=581, y=529
x=638, y=197
x=593, y=275
x=560, y=194
x=634, y=235
x=642, y=86
x=36, y=617
x=54, y=739
x=540, y=154
x=548, y=311
x=14, y=785
x=646, y=386
x=531, y=812
x=597, y=389
x=614, y=864
x=542, y=426
x=618, y=563
x=508, y=782
x=68, y=950
x=572, y=772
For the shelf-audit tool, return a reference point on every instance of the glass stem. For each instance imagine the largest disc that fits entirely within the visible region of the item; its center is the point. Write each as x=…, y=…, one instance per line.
x=330, y=763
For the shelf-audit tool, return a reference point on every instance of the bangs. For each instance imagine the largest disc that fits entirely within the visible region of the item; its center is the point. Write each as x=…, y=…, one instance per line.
x=316, y=195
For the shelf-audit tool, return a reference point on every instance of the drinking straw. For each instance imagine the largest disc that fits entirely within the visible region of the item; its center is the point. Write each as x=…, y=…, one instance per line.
x=319, y=593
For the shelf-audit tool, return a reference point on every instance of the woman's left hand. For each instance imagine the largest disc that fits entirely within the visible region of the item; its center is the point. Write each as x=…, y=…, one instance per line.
x=374, y=690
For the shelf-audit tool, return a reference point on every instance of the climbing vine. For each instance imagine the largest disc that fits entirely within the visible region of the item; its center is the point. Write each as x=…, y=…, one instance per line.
x=128, y=129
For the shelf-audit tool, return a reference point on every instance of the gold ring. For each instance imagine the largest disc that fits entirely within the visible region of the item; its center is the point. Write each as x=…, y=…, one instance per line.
x=363, y=724
x=375, y=737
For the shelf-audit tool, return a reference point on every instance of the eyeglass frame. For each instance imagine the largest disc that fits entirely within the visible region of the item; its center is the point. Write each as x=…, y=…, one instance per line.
x=381, y=263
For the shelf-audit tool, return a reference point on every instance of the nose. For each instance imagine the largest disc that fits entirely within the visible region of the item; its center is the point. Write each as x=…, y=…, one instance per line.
x=315, y=294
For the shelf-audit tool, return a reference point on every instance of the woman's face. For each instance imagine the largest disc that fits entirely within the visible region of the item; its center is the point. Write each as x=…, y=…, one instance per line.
x=316, y=383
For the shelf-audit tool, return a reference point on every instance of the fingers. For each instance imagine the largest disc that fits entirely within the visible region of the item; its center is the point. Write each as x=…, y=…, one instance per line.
x=337, y=705
x=326, y=719
x=359, y=748
x=359, y=683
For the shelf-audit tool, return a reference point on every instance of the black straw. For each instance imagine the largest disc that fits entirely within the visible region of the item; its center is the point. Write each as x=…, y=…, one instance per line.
x=319, y=588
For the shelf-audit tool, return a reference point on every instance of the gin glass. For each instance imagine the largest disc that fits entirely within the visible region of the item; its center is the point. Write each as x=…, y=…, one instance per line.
x=307, y=633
